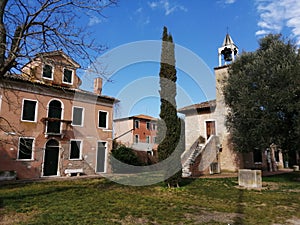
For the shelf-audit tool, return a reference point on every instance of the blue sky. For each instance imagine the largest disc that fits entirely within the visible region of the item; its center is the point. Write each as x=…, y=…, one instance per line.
x=196, y=26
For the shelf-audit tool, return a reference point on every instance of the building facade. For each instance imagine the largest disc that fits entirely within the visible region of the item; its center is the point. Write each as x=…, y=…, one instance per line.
x=209, y=147
x=137, y=132
x=50, y=127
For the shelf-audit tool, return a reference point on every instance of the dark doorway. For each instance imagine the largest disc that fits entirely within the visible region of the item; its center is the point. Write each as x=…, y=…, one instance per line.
x=51, y=158
x=210, y=128
x=54, y=112
x=101, y=157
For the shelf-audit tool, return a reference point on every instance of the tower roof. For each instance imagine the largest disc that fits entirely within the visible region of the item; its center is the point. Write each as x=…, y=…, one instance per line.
x=227, y=51
x=227, y=41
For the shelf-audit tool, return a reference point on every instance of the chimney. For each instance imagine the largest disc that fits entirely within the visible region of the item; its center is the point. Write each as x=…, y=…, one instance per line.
x=98, y=85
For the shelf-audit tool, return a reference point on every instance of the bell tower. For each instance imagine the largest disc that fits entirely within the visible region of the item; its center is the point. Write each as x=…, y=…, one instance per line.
x=228, y=51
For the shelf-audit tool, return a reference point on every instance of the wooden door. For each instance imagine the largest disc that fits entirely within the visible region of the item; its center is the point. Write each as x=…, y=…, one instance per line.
x=51, y=158
x=210, y=128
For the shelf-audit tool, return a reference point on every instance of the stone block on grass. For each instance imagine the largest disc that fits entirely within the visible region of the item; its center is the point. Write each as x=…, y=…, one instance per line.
x=250, y=178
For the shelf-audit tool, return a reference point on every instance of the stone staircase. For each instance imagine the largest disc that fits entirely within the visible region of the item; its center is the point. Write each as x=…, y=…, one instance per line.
x=200, y=157
x=189, y=156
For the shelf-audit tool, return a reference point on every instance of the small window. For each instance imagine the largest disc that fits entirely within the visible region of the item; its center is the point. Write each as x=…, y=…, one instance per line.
x=77, y=119
x=68, y=76
x=25, y=148
x=257, y=156
x=136, y=138
x=102, y=119
x=147, y=139
x=75, y=149
x=154, y=140
x=29, y=110
x=48, y=71
x=154, y=126
x=136, y=124
x=148, y=125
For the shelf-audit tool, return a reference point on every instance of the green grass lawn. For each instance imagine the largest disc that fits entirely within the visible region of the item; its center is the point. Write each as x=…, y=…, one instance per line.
x=199, y=201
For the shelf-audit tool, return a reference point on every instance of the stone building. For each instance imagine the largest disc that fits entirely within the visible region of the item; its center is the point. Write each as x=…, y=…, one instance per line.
x=137, y=132
x=208, y=145
x=49, y=126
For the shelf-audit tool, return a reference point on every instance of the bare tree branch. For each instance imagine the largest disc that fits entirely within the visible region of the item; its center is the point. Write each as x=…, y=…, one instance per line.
x=28, y=27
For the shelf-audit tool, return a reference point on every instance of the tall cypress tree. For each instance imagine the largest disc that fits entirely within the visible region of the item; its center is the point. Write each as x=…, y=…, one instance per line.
x=169, y=126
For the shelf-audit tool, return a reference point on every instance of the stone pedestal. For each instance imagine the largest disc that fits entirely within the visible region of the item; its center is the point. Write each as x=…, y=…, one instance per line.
x=250, y=178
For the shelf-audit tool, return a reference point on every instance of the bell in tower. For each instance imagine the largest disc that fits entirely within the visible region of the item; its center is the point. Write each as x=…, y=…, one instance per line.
x=228, y=51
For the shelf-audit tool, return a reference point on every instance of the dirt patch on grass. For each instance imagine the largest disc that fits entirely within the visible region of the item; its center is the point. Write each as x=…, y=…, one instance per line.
x=8, y=218
x=134, y=220
x=292, y=221
x=207, y=216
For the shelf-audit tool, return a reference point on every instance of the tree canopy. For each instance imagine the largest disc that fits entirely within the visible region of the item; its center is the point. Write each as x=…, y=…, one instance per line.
x=169, y=126
x=262, y=92
x=28, y=27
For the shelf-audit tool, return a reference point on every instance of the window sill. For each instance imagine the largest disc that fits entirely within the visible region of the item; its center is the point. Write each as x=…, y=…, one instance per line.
x=54, y=134
x=28, y=121
x=74, y=125
x=47, y=135
x=105, y=129
x=66, y=84
x=26, y=160
x=46, y=78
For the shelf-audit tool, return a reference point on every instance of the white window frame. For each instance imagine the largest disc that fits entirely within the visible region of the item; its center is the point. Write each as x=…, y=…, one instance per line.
x=148, y=139
x=82, y=116
x=52, y=71
x=33, y=147
x=205, y=123
x=80, y=149
x=72, y=76
x=35, y=112
x=106, y=125
x=154, y=139
x=61, y=117
x=153, y=126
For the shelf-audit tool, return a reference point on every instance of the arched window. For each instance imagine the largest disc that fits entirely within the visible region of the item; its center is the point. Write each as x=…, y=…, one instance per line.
x=54, y=117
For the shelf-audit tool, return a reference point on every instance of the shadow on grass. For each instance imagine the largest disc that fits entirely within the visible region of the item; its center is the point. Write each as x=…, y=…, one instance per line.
x=240, y=208
x=285, y=177
x=19, y=196
x=186, y=181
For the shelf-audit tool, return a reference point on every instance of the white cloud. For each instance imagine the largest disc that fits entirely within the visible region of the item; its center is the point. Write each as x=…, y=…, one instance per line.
x=167, y=6
x=230, y=1
x=152, y=5
x=261, y=32
x=139, y=10
x=93, y=20
x=147, y=21
x=140, y=18
x=277, y=15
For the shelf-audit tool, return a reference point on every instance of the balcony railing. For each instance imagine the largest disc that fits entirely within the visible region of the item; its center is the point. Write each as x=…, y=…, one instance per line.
x=55, y=126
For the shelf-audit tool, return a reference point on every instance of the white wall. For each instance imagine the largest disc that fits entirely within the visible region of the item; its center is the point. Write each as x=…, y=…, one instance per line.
x=121, y=127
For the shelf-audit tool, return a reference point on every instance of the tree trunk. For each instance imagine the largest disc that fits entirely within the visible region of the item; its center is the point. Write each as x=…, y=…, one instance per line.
x=2, y=34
